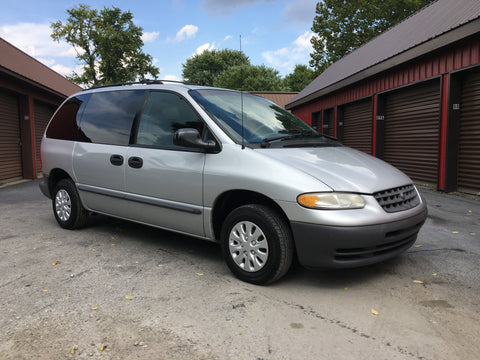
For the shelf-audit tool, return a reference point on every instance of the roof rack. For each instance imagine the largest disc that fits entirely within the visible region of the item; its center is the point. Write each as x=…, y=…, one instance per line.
x=140, y=82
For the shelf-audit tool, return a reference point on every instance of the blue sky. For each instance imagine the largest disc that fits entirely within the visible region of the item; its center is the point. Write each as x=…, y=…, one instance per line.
x=274, y=32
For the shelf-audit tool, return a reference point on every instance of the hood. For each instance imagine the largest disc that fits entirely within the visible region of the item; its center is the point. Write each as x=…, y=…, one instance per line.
x=342, y=168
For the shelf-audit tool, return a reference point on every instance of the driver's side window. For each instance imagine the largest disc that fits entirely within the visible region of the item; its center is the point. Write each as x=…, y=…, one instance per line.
x=163, y=115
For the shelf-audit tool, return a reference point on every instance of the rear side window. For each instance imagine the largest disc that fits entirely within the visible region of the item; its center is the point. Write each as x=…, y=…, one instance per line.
x=64, y=124
x=164, y=114
x=109, y=116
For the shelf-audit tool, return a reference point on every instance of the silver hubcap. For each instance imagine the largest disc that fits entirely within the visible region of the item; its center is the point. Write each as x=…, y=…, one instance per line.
x=248, y=246
x=63, y=205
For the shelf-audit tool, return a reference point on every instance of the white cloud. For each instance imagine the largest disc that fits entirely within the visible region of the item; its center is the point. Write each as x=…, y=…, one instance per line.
x=286, y=58
x=46, y=62
x=35, y=40
x=61, y=69
x=150, y=36
x=187, y=32
x=171, y=77
x=204, y=47
x=303, y=42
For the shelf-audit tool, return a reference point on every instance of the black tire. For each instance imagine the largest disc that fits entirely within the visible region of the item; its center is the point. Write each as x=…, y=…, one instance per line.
x=257, y=244
x=67, y=207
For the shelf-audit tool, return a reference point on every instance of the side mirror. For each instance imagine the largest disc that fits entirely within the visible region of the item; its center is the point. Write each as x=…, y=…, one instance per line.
x=191, y=138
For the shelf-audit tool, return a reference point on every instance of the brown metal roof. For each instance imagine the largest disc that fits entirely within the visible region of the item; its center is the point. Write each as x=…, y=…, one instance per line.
x=441, y=21
x=279, y=98
x=21, y=65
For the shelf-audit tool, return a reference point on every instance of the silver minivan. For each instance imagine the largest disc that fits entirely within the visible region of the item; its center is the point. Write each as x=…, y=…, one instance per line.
x=229, y=167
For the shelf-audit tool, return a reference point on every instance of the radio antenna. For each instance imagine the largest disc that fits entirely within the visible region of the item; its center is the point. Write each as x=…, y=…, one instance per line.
x=241, y=100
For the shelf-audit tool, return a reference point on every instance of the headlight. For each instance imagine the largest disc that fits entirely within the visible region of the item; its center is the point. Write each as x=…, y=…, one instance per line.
x=331, y=201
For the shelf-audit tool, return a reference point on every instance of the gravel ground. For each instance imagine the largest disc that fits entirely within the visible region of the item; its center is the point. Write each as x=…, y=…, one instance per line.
x=118, y=290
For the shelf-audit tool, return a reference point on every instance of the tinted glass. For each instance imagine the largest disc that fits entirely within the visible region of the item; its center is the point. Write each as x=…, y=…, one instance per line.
x=250, y=116
x=64, y=124
x=164, y=114
x=109, y=116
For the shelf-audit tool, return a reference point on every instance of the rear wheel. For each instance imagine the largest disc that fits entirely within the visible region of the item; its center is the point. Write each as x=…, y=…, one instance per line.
x=257, y=244
x=67, y=207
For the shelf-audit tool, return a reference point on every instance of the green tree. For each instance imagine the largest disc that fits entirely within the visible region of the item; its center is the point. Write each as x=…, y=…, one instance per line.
x=342, y=26
x=301, y=76
x=108, y=45
x=205, y=68
x=251, y=78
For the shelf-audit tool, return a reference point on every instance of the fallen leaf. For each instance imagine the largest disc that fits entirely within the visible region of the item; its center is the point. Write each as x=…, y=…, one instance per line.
x=434, y=274
x=97, y=245
x=56, y=263
x=94, y=308
x=113, y=244
x=128, y=297
x=418, y=246
x=374, y=312
x=345, y=288
x=454, y=232
x=103, y=348
x=199, y=274
x=73, y=351
x=418, y=281
x=45, y=290
x=473, y=234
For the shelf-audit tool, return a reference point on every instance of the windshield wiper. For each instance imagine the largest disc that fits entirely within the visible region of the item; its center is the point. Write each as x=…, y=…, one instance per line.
x=295, y=134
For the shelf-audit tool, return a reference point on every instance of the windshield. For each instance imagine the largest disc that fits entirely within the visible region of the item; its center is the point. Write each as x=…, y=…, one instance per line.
x=264, y=122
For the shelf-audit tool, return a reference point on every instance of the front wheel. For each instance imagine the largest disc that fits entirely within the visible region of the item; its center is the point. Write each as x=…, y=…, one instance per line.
x=257, y=244
x=67, y=207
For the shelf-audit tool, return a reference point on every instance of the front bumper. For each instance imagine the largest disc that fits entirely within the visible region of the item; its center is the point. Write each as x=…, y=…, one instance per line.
x=325, y=246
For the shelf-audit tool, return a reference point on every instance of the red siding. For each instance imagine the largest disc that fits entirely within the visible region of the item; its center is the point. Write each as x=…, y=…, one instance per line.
x=443, y=132
x=443, y=62
x=374, y=125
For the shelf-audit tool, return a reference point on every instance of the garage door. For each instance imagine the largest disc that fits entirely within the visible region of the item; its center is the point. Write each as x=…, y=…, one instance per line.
x=357, y=125
x=10, y=146
x=42, y=113
x=328, y=122
x=412, y=117
x=469, y=149
x=316, y=118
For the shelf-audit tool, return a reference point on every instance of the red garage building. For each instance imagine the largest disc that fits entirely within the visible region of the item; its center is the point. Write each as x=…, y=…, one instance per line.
x=411, y=96
x=29, y=94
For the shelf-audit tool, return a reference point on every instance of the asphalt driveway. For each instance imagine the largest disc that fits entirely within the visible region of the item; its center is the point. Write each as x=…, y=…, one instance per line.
x=117, y=290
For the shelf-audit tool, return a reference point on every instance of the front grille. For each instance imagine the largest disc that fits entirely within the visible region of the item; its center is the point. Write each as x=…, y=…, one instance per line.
x=374, y=251
x=396, y=241
x=398, y=199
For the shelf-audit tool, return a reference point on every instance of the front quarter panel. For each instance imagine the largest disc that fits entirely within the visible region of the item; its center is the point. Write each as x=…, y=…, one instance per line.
x=236, y=169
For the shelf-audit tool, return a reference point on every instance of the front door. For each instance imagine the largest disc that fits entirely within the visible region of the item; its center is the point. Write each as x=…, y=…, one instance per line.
x=164, y=182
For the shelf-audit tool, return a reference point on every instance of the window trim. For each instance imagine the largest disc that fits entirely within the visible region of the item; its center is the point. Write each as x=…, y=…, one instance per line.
x=138, y=111
x=136, y=125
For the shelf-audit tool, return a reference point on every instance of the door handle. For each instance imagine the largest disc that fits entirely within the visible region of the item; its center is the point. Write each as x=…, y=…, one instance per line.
x=135, y=162
x=116, y=160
